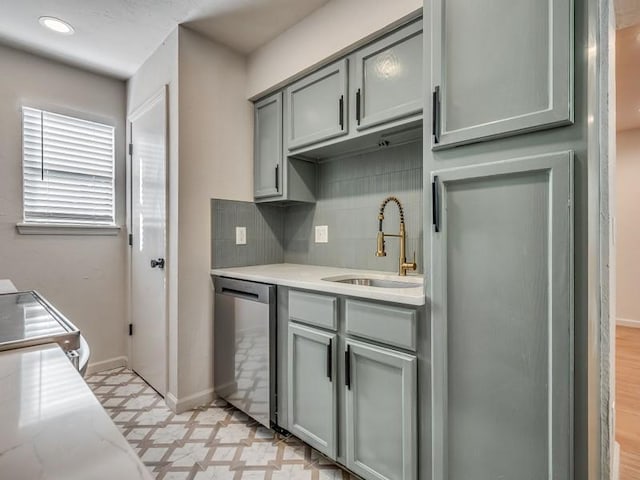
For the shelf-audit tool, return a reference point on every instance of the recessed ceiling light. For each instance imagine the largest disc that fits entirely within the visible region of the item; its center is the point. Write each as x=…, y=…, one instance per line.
x=57, y=25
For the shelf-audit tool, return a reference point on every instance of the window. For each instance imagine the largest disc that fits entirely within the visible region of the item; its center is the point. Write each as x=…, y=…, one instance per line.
x=68, y=170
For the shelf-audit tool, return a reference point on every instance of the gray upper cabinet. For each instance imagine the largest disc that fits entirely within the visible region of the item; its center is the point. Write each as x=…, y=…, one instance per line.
x=502, y=317
x=316, y=106
x=373, y=97
x=267, y=159
x=381, y=412
x=312, y=392
x=500, y=68
x=276, y=177
x=389, y=78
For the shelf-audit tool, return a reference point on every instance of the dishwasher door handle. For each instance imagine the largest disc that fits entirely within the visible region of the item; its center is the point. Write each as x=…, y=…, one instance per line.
x=240, y=293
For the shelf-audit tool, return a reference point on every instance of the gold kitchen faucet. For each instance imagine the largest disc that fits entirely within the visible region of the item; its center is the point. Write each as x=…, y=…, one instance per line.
x=403, y=265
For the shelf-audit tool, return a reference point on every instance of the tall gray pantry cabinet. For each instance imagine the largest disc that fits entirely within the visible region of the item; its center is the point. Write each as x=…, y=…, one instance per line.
x=499, y=177
x=500, y=68
x=503, y=319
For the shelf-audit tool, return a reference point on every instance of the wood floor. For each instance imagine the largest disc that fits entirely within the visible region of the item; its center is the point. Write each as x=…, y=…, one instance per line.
x=628, y=401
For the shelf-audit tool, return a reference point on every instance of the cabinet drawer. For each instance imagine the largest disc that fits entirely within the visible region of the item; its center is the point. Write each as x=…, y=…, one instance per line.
x=387, y=324
x=319, y=310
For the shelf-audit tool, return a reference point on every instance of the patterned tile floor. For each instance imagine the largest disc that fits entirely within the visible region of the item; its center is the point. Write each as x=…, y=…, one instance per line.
x=216, y=442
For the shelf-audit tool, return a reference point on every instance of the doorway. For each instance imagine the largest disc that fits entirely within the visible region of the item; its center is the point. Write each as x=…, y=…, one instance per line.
x=148, y=154
x=627, y=241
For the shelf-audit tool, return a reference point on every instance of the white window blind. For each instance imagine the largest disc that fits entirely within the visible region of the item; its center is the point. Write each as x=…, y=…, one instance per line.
x=68, y=170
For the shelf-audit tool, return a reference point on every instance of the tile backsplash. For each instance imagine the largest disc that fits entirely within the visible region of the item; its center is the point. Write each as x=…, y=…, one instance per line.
x=349, y=193
x=265, y=230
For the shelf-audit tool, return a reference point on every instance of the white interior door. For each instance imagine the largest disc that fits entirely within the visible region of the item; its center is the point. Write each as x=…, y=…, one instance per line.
x=148, y=244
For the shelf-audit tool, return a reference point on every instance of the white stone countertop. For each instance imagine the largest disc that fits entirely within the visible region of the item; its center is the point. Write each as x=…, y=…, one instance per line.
x=53, y=427
x=7, y=286
x=310, y=277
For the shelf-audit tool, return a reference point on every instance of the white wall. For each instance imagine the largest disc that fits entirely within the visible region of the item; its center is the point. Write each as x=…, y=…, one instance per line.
x=628, y=225
x=161, y=69
x=210, y=155
x=81, y=275
x=216, y=160
x=328, y=31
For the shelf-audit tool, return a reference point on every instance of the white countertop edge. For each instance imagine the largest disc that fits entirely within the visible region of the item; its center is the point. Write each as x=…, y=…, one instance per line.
x=286, y=277
x=52, y=424
x=7, y=286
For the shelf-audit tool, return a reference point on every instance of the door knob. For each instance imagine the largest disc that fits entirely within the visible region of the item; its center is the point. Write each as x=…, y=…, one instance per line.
x=157, y=263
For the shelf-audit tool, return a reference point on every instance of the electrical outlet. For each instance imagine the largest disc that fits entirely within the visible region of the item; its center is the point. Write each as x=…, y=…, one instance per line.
x=241, y=235
x=322, y=234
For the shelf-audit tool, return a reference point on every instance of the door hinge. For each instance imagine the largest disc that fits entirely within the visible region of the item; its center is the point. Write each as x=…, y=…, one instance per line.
x=131, y=149
x=131, y=239
x=435, y=204
x=435, y=117
x=130, y=329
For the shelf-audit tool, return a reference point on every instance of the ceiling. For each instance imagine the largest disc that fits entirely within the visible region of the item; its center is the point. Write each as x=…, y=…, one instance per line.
x=115, y=37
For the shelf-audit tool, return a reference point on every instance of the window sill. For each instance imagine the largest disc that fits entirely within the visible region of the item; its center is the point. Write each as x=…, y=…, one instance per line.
x=57, y=229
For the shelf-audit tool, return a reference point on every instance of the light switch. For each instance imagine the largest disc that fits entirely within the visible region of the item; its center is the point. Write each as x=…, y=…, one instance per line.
x=241, y=235
x=322, y=234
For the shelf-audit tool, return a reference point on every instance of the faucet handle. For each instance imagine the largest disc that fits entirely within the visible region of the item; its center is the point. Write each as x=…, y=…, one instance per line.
x=414, y=264
x=380, y=252
x=404, y=265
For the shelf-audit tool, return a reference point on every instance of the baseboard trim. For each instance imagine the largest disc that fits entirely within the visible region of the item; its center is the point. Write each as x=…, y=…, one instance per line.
x=615, y=473
x=628, y=322
x=190, y=402
x=108, y=364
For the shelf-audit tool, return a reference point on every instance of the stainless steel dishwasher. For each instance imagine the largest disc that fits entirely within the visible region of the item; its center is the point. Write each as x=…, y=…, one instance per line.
x=244, y=343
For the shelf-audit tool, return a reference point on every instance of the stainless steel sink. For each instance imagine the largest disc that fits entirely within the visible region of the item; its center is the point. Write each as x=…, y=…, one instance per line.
x=374, y=282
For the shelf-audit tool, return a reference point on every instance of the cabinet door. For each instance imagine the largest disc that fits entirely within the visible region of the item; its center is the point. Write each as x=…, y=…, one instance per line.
x=381, y=419
x=388, y=83
x=500, y=68
x=267, y=160
x=316, y=106
x=502, y=317
x=312, y=387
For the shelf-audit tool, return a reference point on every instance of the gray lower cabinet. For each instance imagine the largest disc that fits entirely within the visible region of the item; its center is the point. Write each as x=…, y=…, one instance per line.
x=267, y=166
x=500, y=68
x=312, y=389
x=502, y=316
x=315, y=107
x=388, y=81
x=381, y=412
